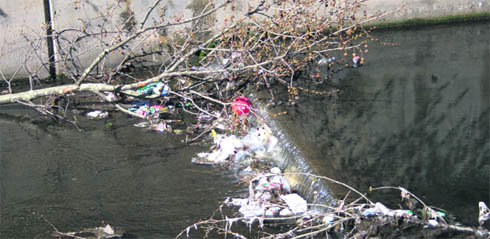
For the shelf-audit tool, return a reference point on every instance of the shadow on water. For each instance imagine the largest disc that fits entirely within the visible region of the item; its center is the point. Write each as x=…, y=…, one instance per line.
x=416, y=115
x=141, y=181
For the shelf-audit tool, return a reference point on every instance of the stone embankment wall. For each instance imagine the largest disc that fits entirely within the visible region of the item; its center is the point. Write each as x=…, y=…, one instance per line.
x=24, y=49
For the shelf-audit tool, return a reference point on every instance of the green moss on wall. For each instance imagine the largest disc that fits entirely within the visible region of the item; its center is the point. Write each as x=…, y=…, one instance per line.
x=420, y=22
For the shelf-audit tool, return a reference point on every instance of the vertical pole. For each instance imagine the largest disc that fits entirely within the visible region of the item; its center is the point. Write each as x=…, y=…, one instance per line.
x=49, y=38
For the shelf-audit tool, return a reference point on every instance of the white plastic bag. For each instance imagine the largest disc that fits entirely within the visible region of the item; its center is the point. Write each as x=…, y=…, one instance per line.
x=296, y=203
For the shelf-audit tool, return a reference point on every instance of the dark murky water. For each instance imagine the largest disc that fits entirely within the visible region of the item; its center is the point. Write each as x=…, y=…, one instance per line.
x=141, y=181
x=416, y=115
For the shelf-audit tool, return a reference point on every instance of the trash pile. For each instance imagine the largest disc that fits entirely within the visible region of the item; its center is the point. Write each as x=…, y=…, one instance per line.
x=241, y=151
x=148, y=103
x=149, y=108
x=256, y=146
x=270, y=197
x=251, y=156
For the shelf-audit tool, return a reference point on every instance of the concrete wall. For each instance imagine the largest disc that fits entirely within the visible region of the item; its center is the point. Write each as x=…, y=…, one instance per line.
x=107, y=15
x=20, y=20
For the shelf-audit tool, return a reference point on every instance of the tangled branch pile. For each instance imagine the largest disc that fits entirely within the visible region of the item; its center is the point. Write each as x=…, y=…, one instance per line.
x=356, y=217
x=205, y=59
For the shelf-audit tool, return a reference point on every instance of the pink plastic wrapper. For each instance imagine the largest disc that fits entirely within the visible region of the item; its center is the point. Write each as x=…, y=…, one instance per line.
x=241, y=105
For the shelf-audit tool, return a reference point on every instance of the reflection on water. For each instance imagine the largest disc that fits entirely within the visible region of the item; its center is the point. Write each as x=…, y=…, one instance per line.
x=141, y=181
x=416, y=115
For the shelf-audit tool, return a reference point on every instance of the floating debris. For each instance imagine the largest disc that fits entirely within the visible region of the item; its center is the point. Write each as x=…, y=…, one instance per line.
x=142, y=124
x=241, y=105
x=295, y=203
x=155, y=89
x=357, y=61
x=106, y=232
x=163, y=127
x=324, y=61
x=150, y=90
x=145, y=110
x=97, y=114
x=484, y=213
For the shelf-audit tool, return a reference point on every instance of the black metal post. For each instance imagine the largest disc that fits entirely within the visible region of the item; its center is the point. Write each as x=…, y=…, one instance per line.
x=49, y=39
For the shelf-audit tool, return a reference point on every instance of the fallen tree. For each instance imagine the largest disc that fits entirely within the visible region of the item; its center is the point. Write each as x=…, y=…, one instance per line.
x=206, y=60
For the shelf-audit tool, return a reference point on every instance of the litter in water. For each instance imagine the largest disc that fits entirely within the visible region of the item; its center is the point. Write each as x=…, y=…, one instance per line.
x=97, y=114
x=241, y=105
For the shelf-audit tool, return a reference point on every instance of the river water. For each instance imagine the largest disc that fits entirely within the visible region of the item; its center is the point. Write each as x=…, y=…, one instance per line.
x=141, y=181
x=415, y=115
